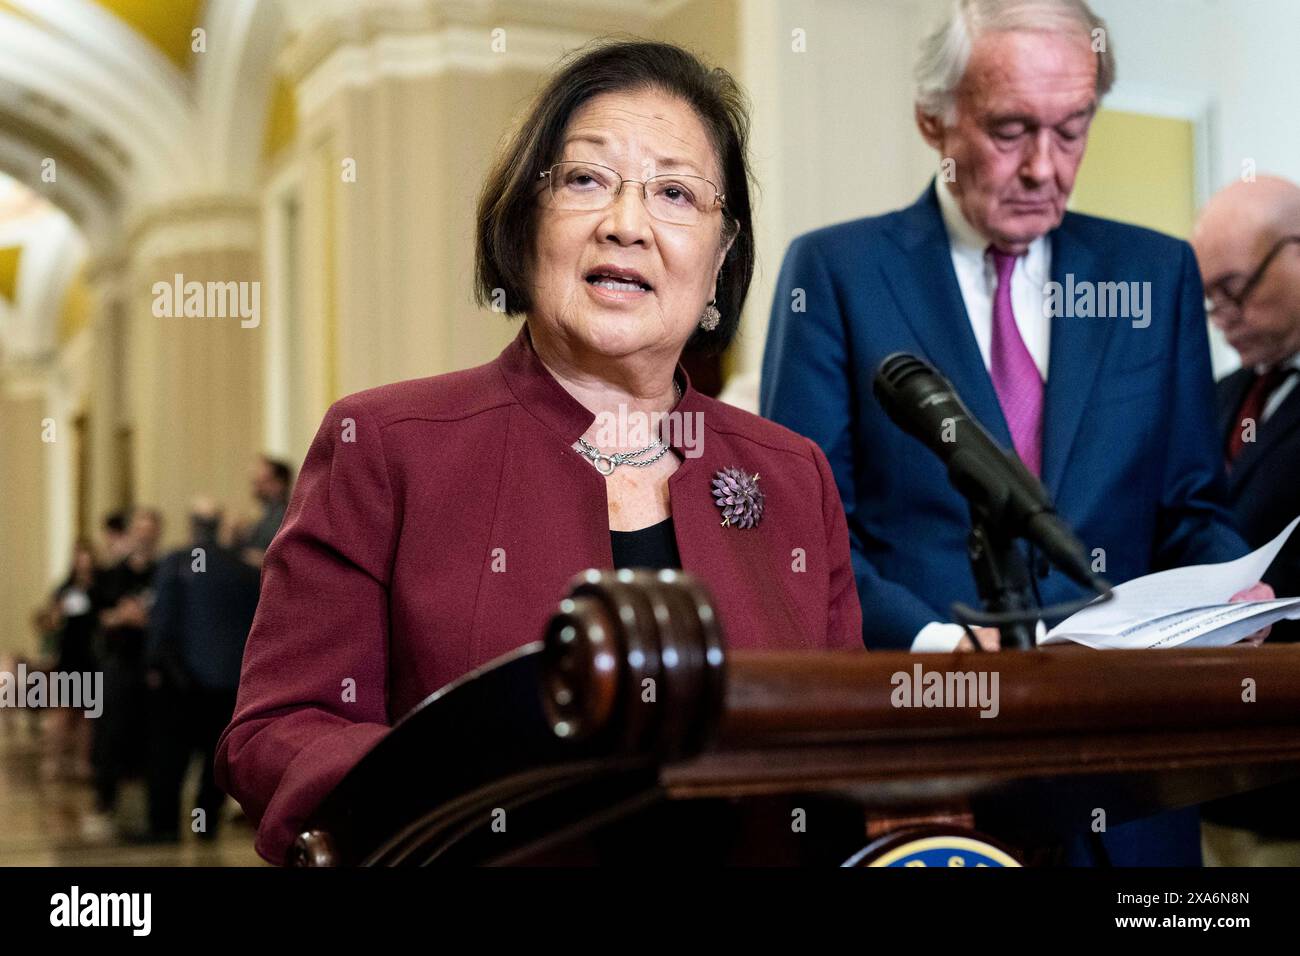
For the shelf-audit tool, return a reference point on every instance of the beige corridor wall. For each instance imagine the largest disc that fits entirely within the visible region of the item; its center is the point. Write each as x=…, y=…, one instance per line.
x=1159, y=192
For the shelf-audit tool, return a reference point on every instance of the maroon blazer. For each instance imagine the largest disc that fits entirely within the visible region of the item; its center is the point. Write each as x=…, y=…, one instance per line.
x=380, y=587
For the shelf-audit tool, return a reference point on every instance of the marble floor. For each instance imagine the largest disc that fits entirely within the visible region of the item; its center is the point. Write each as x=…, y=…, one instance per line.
x=47, y=819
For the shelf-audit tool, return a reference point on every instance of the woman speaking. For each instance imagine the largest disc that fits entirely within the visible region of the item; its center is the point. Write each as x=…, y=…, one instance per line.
x=437, y=522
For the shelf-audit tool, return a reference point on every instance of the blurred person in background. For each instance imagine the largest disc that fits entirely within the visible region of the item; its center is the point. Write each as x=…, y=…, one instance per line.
x=117, y=539
x=123, y=592
x=272, y=482
x=204, y=599
x=1247, y=241
x=74, y=619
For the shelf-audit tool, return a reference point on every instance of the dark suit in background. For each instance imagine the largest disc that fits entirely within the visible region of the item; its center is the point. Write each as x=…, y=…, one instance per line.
x=1264, y=483
x=199, y=625
x=119, y=748
x=1264, y=491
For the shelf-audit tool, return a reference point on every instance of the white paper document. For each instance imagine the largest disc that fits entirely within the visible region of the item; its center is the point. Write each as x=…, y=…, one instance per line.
x=1182, y=607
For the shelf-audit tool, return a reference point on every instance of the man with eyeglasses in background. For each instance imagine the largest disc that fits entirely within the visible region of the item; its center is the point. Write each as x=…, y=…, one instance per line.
x=1248, y=244
x=1247, y=241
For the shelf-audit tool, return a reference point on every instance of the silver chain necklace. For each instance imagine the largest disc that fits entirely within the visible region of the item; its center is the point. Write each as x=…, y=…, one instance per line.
x=605, y=464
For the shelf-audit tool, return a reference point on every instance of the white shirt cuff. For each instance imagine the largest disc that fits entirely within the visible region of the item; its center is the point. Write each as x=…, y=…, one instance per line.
x=938, y=638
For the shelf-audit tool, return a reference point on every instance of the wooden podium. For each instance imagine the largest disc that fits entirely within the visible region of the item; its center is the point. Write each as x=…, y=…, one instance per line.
x=629, y=735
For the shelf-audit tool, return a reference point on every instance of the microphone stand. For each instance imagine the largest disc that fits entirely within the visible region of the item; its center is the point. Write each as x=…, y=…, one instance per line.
x=1002, y=578
x=1003, y=498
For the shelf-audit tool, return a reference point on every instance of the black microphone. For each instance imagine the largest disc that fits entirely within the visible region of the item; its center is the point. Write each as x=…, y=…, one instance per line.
x=996, y=482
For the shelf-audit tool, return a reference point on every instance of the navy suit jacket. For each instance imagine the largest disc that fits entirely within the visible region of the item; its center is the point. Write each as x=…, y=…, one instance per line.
x=200, y=619
x=1131, y=454
x=1264, y=491
x=1264, y=485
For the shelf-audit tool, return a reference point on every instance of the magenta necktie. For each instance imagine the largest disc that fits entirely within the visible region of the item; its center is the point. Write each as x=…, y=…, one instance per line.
x=1015, y=376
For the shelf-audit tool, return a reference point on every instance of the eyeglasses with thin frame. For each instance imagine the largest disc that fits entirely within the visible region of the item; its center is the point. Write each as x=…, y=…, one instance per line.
x=1218, y=296
x=673, y=197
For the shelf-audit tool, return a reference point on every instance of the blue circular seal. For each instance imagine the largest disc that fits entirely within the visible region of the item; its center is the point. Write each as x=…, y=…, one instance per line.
x=933, y=849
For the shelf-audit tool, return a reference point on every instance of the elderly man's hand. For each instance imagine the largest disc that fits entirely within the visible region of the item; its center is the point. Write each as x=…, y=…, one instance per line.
x=989, y=637
x=1257, y=592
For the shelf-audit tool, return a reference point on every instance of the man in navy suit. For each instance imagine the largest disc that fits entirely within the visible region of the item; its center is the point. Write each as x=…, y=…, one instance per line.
x=1079, y=342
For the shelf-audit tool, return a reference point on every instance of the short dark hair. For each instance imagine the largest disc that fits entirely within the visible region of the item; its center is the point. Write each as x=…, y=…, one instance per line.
x=282, y=472
x=507, y=207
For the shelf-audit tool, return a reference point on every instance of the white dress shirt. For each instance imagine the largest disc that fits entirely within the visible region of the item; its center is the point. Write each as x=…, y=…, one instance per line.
x=1282, y=391
x=977, y=278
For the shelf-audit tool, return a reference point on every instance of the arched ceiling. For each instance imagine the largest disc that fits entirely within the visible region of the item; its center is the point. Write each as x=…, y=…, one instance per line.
x=105, y=114
x=166, y=24
x=109, y=91
x=41, y=254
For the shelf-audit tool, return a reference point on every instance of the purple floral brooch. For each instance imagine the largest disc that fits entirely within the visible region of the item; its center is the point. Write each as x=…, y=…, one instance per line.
x=739, y=497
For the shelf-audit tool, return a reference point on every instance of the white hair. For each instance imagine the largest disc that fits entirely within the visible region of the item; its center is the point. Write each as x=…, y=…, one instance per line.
x=946, y=52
